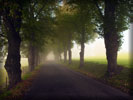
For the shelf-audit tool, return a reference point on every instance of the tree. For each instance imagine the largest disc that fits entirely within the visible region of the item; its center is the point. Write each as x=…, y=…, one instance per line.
x=83, y=23
x=11, y=12
x=36, y=26
x=59, y=42
x=65, y=29
x=113, y=22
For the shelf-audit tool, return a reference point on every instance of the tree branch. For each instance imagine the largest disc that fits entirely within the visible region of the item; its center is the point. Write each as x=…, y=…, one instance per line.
x=33, y=7
x=34, y=4
x=40, y=10
x=99, y=10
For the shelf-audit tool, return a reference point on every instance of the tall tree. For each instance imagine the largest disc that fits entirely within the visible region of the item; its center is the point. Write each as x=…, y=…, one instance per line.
x=113, y=17
x=83, y=23
x=65, y=29
x=37, y=15
x=11, y=12
x=111, y=35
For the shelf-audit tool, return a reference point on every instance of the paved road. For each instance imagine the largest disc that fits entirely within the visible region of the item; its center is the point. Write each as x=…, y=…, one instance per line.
x=56, y=82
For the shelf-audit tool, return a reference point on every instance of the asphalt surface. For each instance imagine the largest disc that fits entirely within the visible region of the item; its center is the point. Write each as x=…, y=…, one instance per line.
x=56, y=82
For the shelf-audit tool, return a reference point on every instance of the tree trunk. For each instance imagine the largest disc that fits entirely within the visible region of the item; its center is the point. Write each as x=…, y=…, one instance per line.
x=31, y=57
x=69, y=50
x=82, y=48
x=39, y=59
x=70, y=56
x=65, y=55
x=111, y=54
x=110, y=36
x=12, y=65
x=36, y=57
x=56, y=57
x=60, y=57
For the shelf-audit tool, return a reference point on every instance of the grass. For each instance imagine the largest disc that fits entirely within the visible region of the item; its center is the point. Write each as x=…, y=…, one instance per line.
x=3, y=73
x=5, y=94
x=96, y=68
x=3, y=76
x=18, y=91
x=123, y=59
x=26, y=76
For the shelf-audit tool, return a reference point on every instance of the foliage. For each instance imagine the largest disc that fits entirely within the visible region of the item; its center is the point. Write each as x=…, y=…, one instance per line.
x=37, y=24
x=63, y=29
x=83, y=20
x=122, y=18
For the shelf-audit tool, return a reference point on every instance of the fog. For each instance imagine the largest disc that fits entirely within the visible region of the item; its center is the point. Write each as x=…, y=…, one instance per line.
x=50, y=56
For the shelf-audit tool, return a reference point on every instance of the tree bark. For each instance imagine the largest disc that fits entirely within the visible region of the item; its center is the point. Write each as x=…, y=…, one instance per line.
x=70, y=56
x=60, y=57
x=82, y=48
x=36, y=57
x=12, y=25
x=39, y=59
x=65, y=54
x=31, y=57
x=110, y=36
x=69, y=50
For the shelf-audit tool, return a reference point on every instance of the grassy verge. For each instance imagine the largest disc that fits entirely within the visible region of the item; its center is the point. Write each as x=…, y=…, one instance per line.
x=4, y=76
x=97, y=71
x=18, y=91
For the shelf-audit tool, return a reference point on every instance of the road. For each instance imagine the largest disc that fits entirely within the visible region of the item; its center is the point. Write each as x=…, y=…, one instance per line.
x=56, y=82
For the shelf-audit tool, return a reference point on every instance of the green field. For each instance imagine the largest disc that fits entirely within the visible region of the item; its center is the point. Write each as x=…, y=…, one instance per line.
x=124, y=62
x=123, y=59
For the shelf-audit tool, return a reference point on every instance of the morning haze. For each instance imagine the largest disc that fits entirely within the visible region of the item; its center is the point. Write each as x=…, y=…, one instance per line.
x=65, y=49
